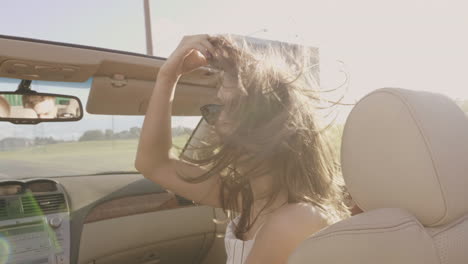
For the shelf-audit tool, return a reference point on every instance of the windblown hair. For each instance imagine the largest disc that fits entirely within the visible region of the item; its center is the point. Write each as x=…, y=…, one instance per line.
x=276, y=132
x=30, y=100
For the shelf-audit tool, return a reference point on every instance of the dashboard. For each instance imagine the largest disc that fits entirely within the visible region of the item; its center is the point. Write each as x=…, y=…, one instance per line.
x=34, y=222
x=74, y=219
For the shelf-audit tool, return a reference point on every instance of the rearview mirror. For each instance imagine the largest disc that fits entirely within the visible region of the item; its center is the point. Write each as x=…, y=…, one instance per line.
x=31, y=107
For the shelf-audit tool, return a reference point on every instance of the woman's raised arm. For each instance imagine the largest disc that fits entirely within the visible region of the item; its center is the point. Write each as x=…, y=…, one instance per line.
x=153, y=157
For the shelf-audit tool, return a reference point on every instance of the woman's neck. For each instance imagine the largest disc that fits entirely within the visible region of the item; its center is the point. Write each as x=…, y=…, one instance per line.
x=261, y=188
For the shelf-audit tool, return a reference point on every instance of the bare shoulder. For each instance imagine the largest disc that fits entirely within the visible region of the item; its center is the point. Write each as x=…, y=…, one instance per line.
x=299, y=217
x=284, y=230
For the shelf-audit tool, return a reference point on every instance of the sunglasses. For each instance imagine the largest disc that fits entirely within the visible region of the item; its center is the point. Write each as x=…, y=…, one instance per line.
x=210, y=113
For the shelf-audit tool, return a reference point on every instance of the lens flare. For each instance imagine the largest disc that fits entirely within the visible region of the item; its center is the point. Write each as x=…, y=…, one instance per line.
x=4, y=250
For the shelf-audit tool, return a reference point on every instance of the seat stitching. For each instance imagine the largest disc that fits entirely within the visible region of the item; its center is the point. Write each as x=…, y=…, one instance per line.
x=450, y=226
x=369, y=231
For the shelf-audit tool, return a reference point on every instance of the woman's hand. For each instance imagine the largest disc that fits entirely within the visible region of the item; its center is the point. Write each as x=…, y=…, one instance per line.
x=191, y=53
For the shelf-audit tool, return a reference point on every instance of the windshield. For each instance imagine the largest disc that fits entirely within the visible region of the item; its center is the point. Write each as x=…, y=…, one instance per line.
x=96, y=144
x=363, y=45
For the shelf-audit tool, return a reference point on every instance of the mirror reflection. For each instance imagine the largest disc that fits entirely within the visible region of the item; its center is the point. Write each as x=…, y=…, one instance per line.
x=39, y=106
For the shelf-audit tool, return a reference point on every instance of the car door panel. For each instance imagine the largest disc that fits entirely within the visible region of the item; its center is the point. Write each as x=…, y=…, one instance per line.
x=123, y=213
x=176, y=236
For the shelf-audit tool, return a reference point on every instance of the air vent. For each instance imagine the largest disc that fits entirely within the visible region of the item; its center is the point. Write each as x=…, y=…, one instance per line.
x=43, y=204
x=3, y=209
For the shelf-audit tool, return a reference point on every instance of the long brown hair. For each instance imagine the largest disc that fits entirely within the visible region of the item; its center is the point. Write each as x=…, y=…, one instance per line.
x=276, y=131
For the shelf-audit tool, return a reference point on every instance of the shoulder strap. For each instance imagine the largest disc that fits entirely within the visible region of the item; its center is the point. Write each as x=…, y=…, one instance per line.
x=258, y=229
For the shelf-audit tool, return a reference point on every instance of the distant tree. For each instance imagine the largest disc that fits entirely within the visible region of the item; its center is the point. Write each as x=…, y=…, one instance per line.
x=44, y=140
x=109, y=134
x=135, y=132
x=125, y=134
x=180, y=131
x=92, y=135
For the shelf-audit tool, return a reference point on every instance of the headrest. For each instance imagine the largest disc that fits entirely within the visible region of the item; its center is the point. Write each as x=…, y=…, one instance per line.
x=408, y=149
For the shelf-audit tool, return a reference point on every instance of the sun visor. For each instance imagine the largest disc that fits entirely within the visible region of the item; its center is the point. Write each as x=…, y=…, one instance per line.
x=120, y=96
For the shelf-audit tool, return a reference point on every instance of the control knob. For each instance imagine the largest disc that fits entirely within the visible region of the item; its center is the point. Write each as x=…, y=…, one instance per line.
x=55, y=221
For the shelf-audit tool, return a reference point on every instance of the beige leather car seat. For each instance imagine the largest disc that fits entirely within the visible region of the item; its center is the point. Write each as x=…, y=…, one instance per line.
x=405, y=163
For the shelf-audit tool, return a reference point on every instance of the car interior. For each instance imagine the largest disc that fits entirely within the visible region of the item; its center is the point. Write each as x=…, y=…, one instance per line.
x=404, y=160
x=404, y=163
x=112, y=217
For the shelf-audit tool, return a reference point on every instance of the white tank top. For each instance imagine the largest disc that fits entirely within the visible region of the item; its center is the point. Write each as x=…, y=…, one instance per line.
x=237, y=250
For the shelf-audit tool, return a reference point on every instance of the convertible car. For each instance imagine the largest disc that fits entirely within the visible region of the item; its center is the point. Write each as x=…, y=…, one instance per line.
x=69, y=192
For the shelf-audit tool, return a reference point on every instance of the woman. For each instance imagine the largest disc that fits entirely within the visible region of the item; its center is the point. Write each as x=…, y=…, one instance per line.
x=270, y=163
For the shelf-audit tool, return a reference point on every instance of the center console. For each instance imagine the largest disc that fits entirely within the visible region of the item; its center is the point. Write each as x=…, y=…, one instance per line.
x=34, y=223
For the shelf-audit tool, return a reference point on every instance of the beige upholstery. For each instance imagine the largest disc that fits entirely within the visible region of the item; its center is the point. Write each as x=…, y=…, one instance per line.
x=412, y=149
x=408, y=150
x=378, y=236
x=451, y=241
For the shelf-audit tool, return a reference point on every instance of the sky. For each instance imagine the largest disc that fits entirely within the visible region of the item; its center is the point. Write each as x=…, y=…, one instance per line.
x=418, y=44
